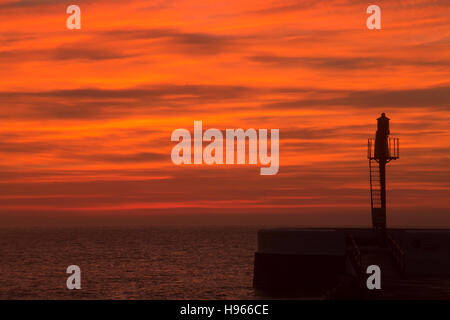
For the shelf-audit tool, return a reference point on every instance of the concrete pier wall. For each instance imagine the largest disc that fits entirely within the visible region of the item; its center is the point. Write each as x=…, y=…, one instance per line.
x=298, y=259
x=302, y=241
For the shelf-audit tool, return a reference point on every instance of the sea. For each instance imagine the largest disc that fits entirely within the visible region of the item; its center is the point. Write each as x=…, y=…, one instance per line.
x=159, y=262
x=128, y=262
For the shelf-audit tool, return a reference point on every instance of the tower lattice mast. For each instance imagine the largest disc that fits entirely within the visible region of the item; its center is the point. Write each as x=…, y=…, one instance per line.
x=380, y=151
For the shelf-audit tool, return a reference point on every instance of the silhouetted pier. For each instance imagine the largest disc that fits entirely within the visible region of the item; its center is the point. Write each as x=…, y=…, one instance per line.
x=333, y=262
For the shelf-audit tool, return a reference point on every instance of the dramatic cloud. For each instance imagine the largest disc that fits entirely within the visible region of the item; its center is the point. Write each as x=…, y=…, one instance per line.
x=344, y=63
x=433, y=98
x=87, y=114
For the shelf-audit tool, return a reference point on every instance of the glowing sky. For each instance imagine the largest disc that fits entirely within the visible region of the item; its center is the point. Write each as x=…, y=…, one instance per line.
x=86, y=116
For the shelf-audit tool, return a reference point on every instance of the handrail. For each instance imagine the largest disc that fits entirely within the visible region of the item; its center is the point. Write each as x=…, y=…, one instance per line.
x=397, y=253
x=370, y=148
x=392, y=152
x=355, y=254
x=393, y=148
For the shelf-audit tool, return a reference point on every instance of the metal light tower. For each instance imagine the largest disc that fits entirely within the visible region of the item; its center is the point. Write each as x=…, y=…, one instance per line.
x=380, y=150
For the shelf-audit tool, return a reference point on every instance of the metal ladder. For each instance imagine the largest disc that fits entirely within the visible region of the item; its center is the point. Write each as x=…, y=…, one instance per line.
x=375, y=187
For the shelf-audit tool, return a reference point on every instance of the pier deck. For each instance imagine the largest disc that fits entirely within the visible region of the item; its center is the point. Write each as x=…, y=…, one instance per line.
x=414, y=263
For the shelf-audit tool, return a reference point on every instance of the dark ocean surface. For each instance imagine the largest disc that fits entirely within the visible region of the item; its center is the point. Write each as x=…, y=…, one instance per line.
x=128, y=263
x=143, y=263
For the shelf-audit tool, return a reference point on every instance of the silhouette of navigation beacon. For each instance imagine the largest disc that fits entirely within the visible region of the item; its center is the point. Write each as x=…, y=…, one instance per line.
x=332, y=262
x=380, y=151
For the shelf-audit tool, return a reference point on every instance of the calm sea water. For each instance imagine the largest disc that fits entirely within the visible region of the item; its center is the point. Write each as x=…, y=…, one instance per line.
x=128, y=263
x=144, y=263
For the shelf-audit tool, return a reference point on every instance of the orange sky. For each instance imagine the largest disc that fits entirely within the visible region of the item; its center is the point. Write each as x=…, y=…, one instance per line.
x=87, y=115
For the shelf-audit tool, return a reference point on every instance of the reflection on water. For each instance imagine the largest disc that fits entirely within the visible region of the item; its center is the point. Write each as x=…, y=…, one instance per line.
x=128, y=263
